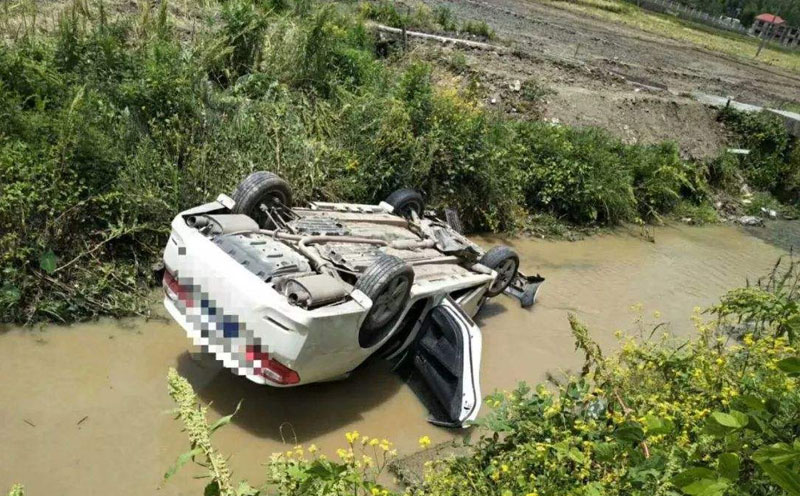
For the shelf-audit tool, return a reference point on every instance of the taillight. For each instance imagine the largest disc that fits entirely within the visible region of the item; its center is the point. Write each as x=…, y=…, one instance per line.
x=173, y=289
x=271, y=368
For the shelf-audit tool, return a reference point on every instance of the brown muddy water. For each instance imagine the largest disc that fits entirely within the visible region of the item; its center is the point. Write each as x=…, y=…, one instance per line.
x=84, y=409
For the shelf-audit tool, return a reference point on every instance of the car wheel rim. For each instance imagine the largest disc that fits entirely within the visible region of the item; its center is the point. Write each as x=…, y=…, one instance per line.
x=505, y=271
x=389, y=303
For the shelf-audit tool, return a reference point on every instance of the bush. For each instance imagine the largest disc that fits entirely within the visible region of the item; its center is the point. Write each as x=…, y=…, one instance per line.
x=701, y=214
x=478, y=28
x=577, y=174
x=660, y=178
x=660, y=416
x=445, y=18
x=772, y=162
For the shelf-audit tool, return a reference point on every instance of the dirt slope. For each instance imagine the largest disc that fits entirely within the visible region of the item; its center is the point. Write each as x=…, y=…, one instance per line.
x=632, y=83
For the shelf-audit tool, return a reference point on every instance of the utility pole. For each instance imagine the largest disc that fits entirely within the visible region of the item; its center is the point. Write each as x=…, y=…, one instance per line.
x=769, y=31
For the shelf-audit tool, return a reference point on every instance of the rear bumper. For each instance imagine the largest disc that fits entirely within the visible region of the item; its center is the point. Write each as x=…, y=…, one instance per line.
x=194, y=332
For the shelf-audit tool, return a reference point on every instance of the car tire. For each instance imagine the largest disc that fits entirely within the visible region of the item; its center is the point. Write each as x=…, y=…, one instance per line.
x=505, y=261
x=261, y=188
x=387, y=283
x=406, y=200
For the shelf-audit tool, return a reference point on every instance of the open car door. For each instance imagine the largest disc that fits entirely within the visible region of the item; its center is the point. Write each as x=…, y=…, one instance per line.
x=443, y=365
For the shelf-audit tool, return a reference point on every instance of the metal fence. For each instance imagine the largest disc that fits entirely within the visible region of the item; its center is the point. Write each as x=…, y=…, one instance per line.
x=691, y=14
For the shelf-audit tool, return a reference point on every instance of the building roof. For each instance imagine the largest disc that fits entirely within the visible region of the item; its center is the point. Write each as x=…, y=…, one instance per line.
x=770, y=18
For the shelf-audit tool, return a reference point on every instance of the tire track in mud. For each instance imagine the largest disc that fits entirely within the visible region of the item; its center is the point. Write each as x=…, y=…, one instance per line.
x=537, y=28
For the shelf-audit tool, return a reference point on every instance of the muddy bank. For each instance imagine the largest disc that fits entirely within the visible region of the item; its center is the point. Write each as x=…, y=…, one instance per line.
x=85, y=408
x=781, y=233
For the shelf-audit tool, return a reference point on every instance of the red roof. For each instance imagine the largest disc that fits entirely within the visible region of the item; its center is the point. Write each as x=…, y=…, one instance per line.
x=770, y=18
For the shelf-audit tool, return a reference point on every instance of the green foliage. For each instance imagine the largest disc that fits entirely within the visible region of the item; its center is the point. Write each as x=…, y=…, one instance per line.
x=394, y=14
x=16, y=490
x=658, y=417
x=298, y=471
x=445, y=18
x=660, y=178
x=772, y=164
x=746, y=10
x=771, y=304
x=478, y=28
x=239, y=41
x=577, y=174
x=723, y=173
x=703, y=213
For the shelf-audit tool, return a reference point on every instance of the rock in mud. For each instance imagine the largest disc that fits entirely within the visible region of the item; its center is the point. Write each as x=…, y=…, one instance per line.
x=750, y=220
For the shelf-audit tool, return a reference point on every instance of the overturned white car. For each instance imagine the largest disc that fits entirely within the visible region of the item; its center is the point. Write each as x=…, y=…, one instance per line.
x=288, y=296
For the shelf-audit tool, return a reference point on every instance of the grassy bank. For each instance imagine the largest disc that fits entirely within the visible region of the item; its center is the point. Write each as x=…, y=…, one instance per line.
x=113, y=121
x=673, y=27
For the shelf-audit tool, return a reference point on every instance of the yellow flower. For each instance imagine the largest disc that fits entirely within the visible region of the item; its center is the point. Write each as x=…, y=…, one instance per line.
x=351, y=436
x=424, y=442
x=375, y=491
x=504, y=467
x=374, y=441
x=312, y=449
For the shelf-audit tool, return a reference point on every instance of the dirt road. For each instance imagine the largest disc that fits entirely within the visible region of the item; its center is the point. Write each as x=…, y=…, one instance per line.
x=633, y=83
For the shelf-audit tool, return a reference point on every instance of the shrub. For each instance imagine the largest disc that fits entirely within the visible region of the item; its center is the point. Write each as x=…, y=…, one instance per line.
x=703, y=213
x=577, y=174
x=478, y=28
x=723, y=173
x=239, y=42
x=659, y=178
x=445, y=18
x=771, y=163
x=660, y=416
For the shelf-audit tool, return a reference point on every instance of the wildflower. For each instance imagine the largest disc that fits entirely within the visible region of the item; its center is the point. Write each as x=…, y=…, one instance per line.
x=424, y=442
x=351, y=436
x=344, y=454
x=312, y=449
x=373, y=442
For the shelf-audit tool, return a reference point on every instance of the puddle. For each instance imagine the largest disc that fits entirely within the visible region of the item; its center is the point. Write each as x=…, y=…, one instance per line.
x=85, y=409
